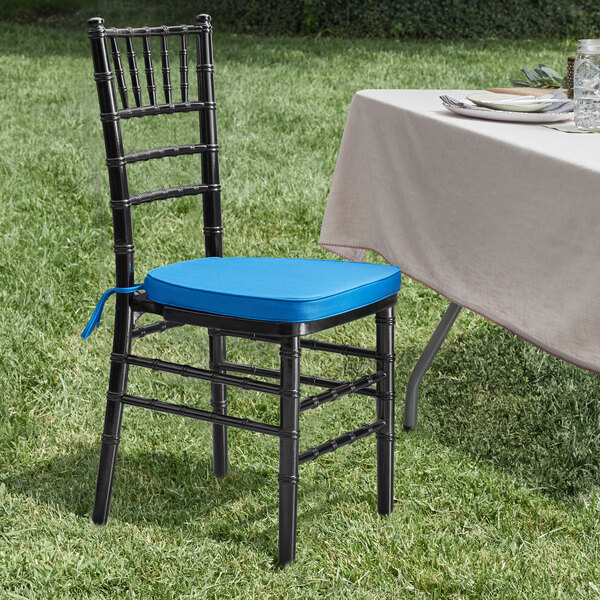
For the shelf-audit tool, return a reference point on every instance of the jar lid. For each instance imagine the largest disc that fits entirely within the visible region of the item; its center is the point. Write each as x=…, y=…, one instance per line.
x=588, y=46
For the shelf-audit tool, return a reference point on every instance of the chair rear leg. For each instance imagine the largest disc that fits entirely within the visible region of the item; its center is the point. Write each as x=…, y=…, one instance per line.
x=110, y=441
x=117, y=385
x=219, y=405
x=288, y=448
x=108, y=459
x=385, y=410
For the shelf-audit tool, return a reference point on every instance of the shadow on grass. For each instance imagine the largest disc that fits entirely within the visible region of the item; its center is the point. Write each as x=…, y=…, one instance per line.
x=158, y=487
x=174, y=491
x=501, y=400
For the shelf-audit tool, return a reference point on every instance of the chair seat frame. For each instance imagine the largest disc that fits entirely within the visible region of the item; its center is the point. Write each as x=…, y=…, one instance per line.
x=221, y=373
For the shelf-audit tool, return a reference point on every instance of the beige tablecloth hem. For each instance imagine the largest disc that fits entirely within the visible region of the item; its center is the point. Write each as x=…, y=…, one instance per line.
x=339, y=250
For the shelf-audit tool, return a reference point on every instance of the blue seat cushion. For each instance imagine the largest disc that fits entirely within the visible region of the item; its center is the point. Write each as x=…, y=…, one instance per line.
x=287, y=290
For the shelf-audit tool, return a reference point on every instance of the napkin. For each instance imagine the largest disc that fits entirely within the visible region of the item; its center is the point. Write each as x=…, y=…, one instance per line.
x=569, y=127
x=557, y=107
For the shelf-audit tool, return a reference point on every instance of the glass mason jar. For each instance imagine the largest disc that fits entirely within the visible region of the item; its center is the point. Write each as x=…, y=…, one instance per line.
x=586, y=85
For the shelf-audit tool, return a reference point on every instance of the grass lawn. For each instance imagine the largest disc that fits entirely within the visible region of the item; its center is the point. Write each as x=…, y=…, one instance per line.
x=497, y=490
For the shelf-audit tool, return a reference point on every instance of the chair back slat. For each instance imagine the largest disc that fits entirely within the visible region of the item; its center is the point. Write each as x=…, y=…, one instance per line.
x=150, y=83
x=176, y=192
x=119, y=72
x=129, y=32
x=133, y=72
x=166, y=69
x=143, y=155
x=183, y=68
x=162, y=109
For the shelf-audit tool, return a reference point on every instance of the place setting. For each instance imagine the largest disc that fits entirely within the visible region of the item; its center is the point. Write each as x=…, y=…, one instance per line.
x=498, y=106
x=543, y=96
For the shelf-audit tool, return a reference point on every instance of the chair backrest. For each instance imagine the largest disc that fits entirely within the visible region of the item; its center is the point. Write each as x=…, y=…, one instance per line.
x=105, y=73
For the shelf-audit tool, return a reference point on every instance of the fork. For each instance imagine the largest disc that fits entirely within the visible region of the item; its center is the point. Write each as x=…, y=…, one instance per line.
x=452, y=101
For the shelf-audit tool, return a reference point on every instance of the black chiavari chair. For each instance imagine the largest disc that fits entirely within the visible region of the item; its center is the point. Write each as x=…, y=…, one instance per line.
x=274, y=300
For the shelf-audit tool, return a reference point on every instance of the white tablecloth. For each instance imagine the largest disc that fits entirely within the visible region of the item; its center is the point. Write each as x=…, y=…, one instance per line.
x=501, y=218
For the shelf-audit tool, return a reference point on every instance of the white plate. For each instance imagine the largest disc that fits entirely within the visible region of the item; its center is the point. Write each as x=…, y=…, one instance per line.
x=507, y=102
x=506, y=115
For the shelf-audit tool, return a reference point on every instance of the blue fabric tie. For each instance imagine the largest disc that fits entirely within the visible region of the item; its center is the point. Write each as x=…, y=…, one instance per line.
x=97, y=314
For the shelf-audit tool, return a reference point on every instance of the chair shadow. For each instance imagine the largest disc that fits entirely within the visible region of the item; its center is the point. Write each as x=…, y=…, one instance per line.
x=164, y=489
x=498, y=399
x=171, y=491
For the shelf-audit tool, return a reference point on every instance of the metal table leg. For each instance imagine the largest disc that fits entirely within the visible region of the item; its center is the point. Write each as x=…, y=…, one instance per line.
x=424, y=362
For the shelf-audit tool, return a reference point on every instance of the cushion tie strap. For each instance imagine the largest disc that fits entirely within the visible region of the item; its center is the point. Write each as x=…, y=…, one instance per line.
x=97, y=314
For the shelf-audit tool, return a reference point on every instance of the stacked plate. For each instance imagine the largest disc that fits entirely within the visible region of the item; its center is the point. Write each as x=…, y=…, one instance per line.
x=508, y=107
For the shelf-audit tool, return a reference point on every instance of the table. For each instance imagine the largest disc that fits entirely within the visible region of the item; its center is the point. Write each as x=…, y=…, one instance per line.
x=500, y=218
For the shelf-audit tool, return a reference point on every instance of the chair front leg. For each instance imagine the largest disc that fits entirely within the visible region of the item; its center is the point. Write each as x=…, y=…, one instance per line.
x=117, y=386
x=385, y=410
x=219, y=404
x=288, y=447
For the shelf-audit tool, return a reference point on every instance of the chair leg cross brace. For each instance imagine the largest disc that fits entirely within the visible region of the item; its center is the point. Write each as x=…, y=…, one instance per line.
x=341, y=390
x=304, y=379
x=195, y=413
x=213, y=376
x=343, y=440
